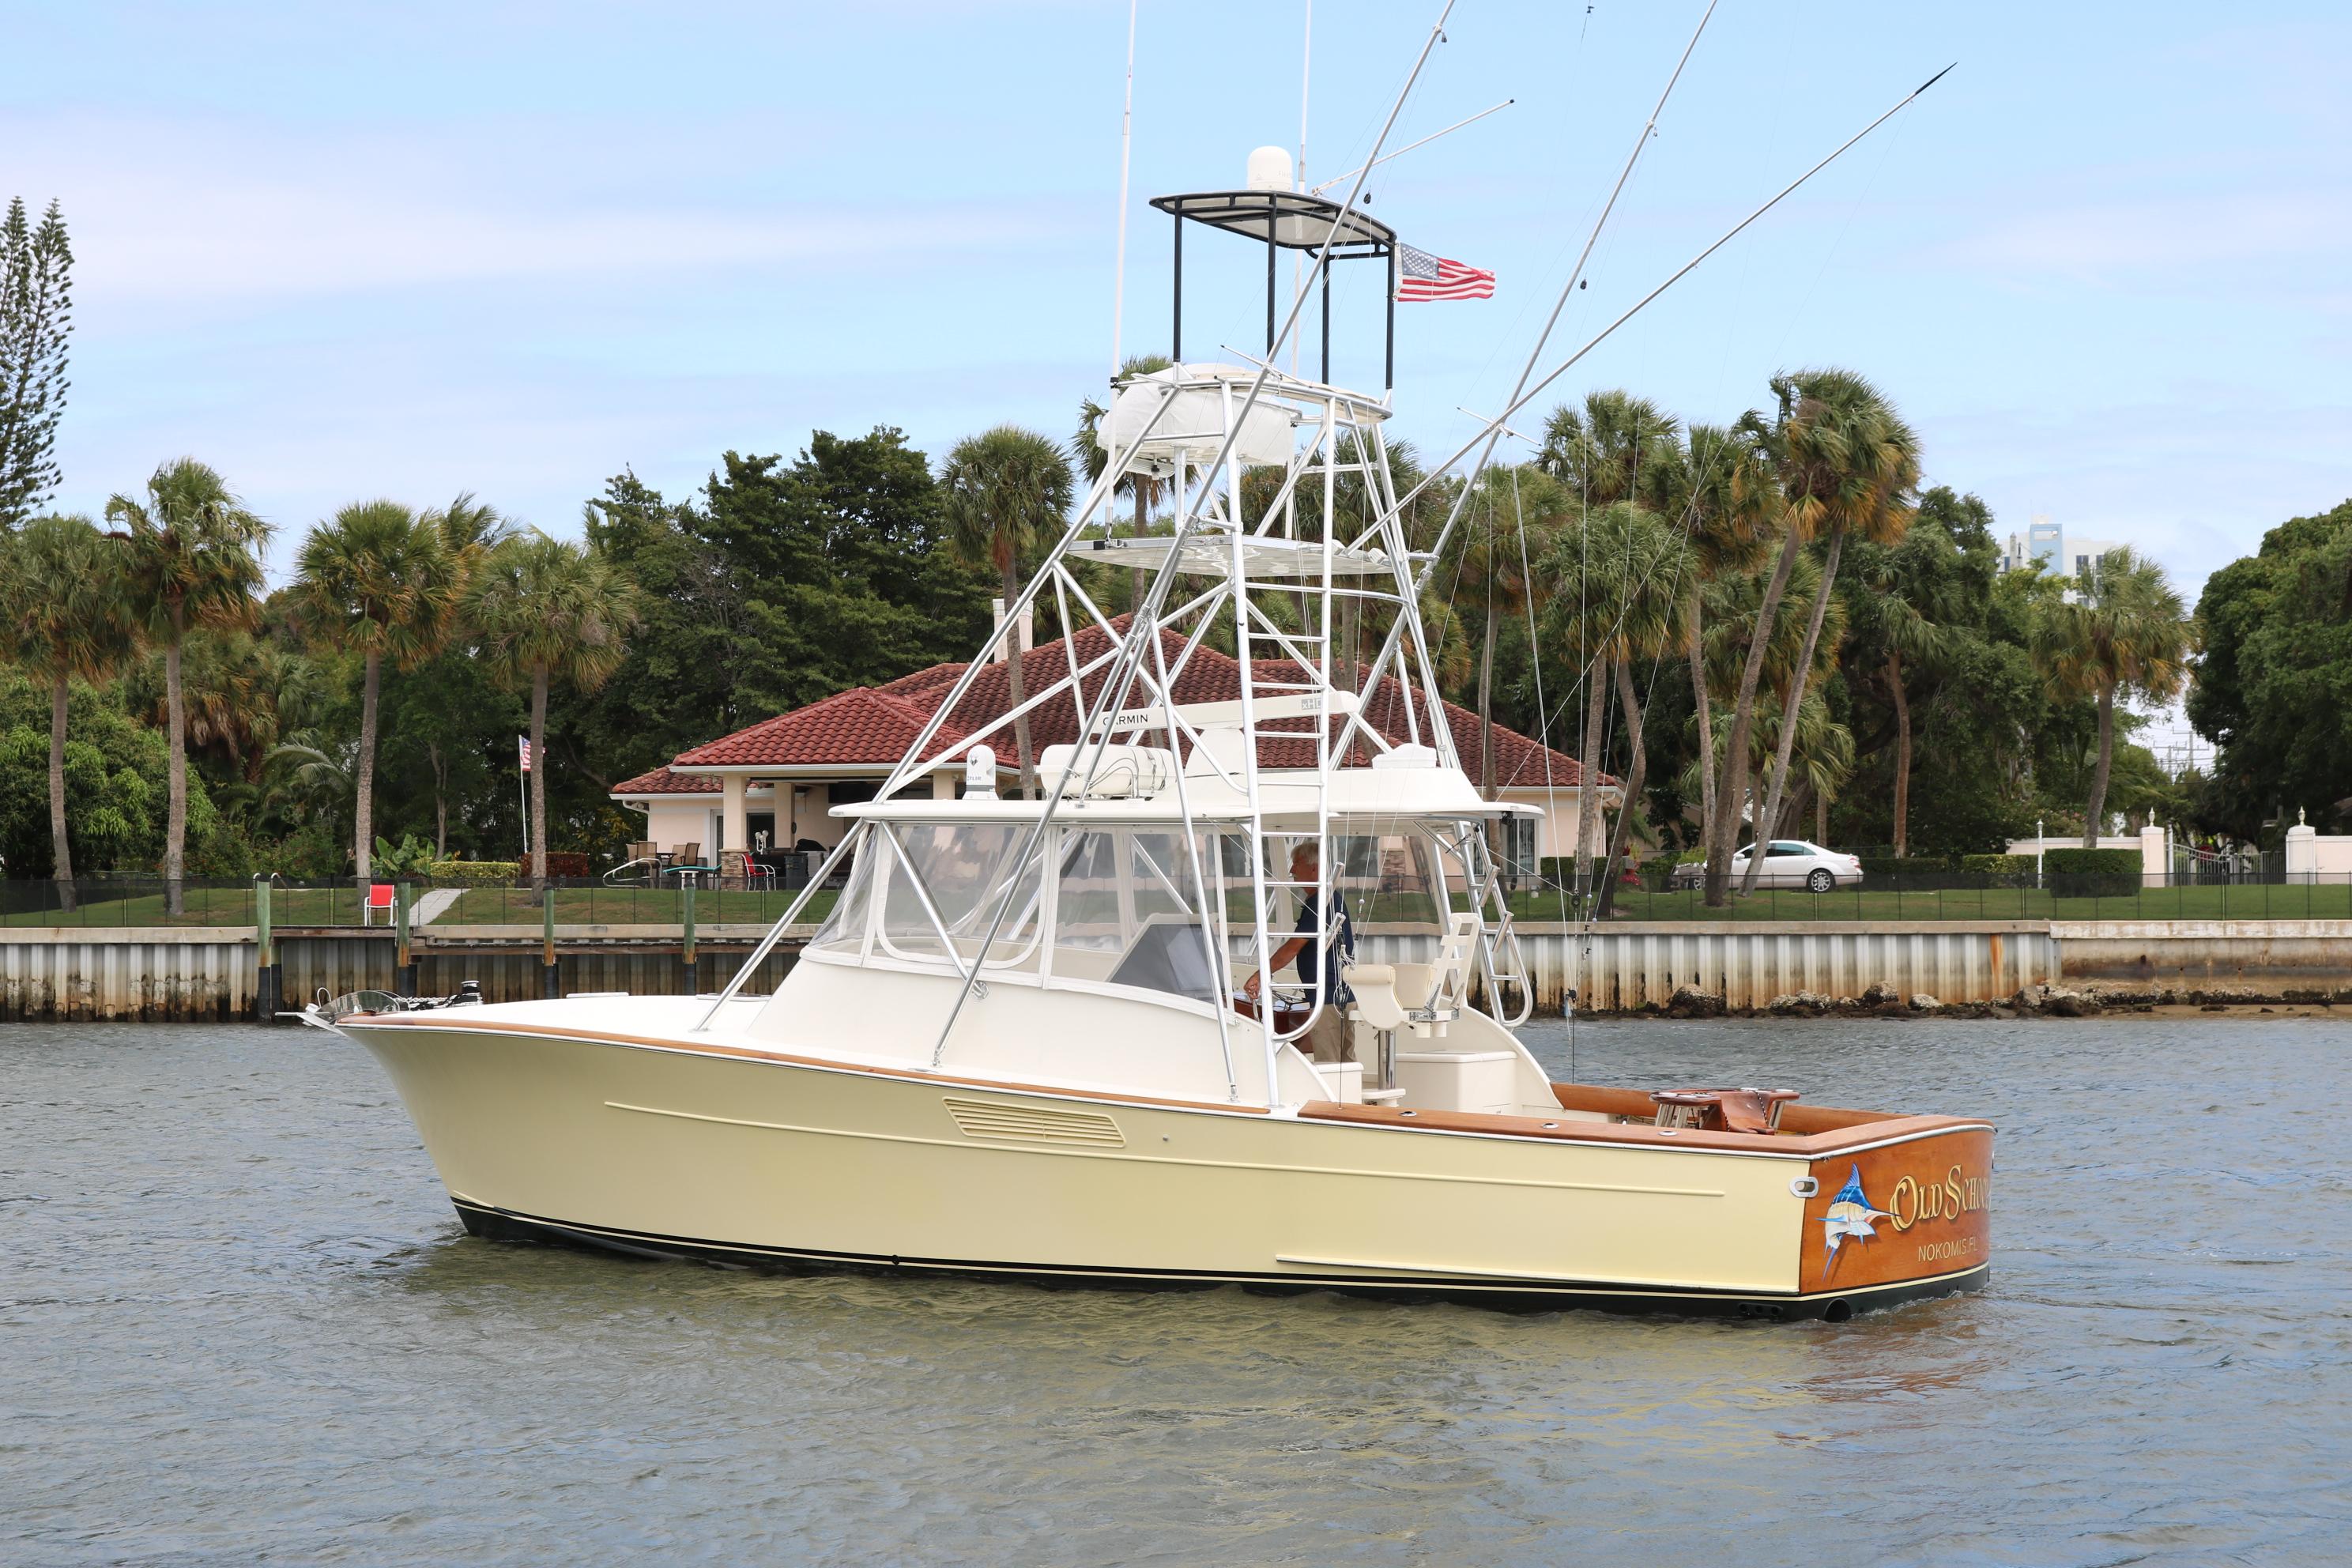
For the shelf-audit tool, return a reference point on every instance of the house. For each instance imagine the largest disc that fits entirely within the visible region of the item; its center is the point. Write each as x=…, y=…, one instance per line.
x=773, y=784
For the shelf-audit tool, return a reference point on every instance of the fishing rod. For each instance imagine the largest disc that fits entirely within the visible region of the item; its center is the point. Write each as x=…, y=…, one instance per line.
x=1523, y=398
x=1494, y=431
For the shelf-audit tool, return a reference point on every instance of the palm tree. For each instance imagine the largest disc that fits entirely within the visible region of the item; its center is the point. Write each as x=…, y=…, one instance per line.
x=1617, y=447
x=1912, y=593
x=1793, y=525
x=195, y=561
x=65, y=612
x=1726, y=501
x=1823, y=753
x=381, y=582
x=470, y=529
x=1615, y=587
x=2125, y=632
x=1848, y=461
x=1007, y=489
x=1654, y=620
x=1142, y=486
x=1485, y=568
x=548, y=610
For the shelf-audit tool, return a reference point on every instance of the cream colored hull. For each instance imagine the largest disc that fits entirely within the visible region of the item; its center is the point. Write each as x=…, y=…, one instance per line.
x=682, y=1149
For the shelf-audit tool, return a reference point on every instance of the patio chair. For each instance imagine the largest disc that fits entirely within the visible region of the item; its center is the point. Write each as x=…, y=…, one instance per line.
x=685, y=857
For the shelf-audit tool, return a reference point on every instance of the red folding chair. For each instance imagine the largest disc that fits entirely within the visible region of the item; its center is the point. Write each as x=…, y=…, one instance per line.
x=378, y=897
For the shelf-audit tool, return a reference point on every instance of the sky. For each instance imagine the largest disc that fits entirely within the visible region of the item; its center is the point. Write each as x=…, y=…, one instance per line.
x=341, y=251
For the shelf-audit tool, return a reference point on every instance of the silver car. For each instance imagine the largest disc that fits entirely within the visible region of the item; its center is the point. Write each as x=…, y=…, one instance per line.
x=1787, y=863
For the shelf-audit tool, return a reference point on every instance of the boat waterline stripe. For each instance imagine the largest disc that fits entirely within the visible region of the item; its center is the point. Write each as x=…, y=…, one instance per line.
x=1064, y=1151
x=1491, y=1273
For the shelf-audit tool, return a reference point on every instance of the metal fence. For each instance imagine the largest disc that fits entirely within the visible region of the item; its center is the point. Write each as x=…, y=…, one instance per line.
x=349, y=904
x=1971, y=896
x=297, y=906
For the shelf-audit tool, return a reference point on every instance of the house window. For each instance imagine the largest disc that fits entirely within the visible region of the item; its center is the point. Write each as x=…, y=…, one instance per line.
x=1519, y=847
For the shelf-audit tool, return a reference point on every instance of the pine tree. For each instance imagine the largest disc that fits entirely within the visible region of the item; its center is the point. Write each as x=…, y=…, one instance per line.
x=35, y=320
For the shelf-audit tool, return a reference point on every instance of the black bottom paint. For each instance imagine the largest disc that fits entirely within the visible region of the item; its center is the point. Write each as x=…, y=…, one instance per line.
x=505, y=1225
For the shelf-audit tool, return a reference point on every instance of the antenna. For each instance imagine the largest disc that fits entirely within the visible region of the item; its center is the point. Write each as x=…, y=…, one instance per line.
x=1407, y=148
x=1299, y=261
x=1126, y=142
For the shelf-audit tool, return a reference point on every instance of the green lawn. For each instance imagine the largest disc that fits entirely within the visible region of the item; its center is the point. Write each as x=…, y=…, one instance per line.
x=203, y=906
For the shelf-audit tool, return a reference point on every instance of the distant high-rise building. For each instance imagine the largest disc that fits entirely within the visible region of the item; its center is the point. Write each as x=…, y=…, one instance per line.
x=2045, y=542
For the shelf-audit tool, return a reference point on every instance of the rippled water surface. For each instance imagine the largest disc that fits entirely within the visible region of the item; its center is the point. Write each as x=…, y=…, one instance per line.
x=239, y=1322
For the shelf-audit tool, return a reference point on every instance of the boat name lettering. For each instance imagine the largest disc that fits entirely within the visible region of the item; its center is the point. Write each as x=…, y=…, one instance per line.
x=1955, y=1195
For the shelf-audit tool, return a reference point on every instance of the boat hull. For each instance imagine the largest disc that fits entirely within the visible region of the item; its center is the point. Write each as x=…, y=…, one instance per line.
x=504, y=1225
x=668, y=1148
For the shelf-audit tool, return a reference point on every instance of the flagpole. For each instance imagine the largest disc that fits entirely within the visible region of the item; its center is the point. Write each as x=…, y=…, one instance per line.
x=522, y=795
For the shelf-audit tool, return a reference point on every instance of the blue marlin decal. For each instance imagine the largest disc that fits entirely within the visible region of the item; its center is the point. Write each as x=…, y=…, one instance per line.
x=1849, y=1214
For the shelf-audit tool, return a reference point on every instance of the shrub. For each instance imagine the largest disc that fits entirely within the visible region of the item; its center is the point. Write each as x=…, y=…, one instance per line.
x=225, y=850
x=1882, y=873
x=566, y=863
x=1905, y=865
x=1999, y=870
x=2092, y=873
x=475, y=873
x=313, y=852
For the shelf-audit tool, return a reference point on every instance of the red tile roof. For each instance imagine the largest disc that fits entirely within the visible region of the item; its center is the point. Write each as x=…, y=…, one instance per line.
x=873, y=726
x=859, y=727
x=661, y=780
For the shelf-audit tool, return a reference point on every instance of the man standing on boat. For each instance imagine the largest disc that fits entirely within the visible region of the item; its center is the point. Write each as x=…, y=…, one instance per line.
x=1331, y=1038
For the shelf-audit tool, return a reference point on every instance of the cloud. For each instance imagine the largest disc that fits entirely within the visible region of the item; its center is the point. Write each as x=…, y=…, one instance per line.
x=191, y=211
x=2104, y=241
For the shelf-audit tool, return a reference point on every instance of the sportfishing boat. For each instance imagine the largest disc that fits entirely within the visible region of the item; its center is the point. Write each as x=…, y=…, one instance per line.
x=1116, y=1033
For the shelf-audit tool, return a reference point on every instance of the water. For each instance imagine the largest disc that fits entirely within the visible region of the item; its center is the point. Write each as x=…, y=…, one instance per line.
x=239, y=1323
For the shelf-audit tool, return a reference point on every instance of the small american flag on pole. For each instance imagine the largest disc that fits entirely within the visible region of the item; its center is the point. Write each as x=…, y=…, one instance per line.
x=522, y=745
x=1421, y=276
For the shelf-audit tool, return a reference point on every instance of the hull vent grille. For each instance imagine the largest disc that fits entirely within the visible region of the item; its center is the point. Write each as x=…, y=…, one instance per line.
x=1034, y=1124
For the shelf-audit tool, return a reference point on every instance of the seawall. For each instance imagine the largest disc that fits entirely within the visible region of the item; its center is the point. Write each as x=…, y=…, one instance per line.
x=196, y=973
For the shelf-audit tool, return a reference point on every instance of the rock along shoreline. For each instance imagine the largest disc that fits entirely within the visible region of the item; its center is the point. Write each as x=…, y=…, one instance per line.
x=1884, y=1003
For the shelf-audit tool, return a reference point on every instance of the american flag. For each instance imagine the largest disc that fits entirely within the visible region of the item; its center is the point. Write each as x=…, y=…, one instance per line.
x=1421, y=276
x=522, y=745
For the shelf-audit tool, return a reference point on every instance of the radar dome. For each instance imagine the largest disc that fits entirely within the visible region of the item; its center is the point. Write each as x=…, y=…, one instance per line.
x=1269, y=169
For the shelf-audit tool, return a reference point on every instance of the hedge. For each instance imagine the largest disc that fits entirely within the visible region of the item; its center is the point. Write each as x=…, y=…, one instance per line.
x=1998, y=866
x=475, y=873
x=1906, y=866
x=2092, y=873
x=2087, y=862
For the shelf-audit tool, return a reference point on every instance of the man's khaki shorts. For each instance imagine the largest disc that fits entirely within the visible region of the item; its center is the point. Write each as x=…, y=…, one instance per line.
x=1331, y=1038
